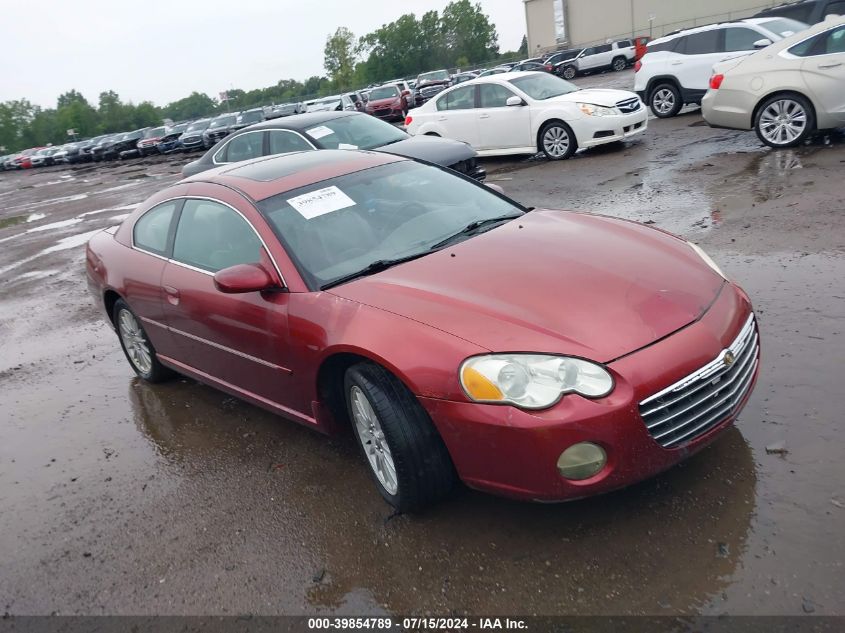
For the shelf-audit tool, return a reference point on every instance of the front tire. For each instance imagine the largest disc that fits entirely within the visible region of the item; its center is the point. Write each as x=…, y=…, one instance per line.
x=665, y=101
x=136, y=345
x=406, y=456
x=569, y=73
x=784, y=121
x=557, y=141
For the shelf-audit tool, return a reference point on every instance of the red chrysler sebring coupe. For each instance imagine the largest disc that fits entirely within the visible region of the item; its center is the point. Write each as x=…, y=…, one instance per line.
x=537, y=354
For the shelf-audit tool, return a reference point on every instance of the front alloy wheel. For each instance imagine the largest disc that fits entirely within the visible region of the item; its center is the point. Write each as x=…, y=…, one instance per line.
x=557, y=141
x=784, y=121
x=404, y=452
x=569, y=72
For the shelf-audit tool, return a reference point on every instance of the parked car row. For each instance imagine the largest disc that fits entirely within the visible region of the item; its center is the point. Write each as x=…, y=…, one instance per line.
x=186, y=136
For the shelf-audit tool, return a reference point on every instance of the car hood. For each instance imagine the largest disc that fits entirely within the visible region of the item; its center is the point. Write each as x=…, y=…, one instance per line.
x=553, y=281
x=441, y=151
x=382, y=102
x=598, y=96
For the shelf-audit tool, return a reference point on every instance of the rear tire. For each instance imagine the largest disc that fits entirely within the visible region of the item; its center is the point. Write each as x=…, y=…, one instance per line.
x=784, y=121
x=665, y=100
x=405, y=455
x=136, y=345
x=619, y=64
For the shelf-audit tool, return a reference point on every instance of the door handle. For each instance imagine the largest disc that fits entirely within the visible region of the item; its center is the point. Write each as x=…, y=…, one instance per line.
x=483, y=116
x=678, y=63
x=172, y=295
x=830, y=65
x=442, y=118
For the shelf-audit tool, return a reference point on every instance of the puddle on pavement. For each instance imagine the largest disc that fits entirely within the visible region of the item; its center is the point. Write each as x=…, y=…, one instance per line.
x=12, y=221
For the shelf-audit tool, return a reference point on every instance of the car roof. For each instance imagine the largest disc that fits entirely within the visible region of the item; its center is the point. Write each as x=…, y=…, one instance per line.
x=710, y=27
x=268, y=176
x=302, y=121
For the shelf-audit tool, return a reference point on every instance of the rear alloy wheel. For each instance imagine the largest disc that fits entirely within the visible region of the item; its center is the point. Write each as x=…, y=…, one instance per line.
x=138, y=349
x=665, y=101
x=619, y=64
x=557, y=141
x=569, y=72
x=406, y=456
x=784, y=121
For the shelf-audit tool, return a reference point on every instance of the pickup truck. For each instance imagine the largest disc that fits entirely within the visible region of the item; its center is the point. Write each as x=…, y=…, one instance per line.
x=616, y=55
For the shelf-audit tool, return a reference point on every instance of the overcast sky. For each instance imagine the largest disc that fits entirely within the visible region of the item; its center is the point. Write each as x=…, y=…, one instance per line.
x=162, y=50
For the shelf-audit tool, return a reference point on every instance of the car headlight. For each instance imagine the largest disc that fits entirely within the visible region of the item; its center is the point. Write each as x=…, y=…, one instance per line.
x=591, y=109
x=707, y=259
x=532, y=381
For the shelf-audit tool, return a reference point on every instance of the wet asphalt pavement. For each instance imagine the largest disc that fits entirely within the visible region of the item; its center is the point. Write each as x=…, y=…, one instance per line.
x=117, y=497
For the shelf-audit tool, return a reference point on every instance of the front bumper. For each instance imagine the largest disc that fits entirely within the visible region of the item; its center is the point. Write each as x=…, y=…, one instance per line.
x=512, y=452
x=599, y=130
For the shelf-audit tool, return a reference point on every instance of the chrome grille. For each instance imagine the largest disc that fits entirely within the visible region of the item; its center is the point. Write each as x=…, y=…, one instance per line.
x=430, y=91
x=695, y=404
x=629, y=105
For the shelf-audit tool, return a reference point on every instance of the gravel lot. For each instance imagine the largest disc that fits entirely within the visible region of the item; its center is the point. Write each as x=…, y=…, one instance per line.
x=119, y=497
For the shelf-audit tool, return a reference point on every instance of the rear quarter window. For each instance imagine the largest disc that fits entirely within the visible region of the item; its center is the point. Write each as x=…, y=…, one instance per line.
x=151, y=230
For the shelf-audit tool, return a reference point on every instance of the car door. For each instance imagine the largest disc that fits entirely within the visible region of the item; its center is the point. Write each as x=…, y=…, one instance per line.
x=587, y=60
x=501, y=126
x=824, y=73
x=456, y=116
x=241, y=147
x=237, y=340
x=695, y=56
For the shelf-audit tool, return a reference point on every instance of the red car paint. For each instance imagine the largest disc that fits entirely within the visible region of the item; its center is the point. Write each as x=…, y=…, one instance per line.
x=639, y=300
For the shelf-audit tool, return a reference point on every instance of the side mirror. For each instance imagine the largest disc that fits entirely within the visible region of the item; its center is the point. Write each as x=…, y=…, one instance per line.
x=495, y=187
x=514, y=101
x=762, y=43
x=243, y=278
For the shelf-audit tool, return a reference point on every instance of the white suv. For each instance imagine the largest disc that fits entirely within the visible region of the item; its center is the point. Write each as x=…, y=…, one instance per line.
x=676, y=69
x=615, y=55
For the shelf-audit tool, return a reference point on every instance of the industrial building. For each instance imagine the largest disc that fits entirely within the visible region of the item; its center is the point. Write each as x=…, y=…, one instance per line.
x=555, y=23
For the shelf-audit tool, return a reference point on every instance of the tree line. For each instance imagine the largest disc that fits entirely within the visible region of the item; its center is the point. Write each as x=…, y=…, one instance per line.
x=459, y=37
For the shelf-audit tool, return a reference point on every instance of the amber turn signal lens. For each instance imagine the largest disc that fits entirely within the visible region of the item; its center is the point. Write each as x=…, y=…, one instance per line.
x=478, y=386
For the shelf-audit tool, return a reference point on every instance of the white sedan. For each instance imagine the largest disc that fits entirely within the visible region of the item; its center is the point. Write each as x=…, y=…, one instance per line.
x=527, y=112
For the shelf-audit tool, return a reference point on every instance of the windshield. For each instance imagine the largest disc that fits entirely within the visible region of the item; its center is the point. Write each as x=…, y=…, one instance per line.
x=369, y=217
x=358, y=131
x=250, y=117
x=222, y=122
x=784, y=27
x=384, y=92
x=155, y=132
x=437, y=75
x=542, y=86
x=198, y=126
x=177, y=129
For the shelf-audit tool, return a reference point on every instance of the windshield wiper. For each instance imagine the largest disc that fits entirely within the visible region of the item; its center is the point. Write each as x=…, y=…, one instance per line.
x=472, y=227
x=375, y=267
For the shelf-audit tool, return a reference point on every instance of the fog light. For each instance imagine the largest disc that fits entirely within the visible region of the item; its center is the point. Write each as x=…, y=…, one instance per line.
x=581, y=461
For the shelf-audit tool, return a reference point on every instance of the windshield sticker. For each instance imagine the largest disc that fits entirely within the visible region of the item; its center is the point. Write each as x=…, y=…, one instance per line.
x=346, y=146
x=320, y=131
x=320, y=202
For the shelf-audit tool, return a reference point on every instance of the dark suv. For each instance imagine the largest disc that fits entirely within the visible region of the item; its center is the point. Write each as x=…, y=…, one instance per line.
x=807, y=11
x=430, y=84
x=219, y=128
